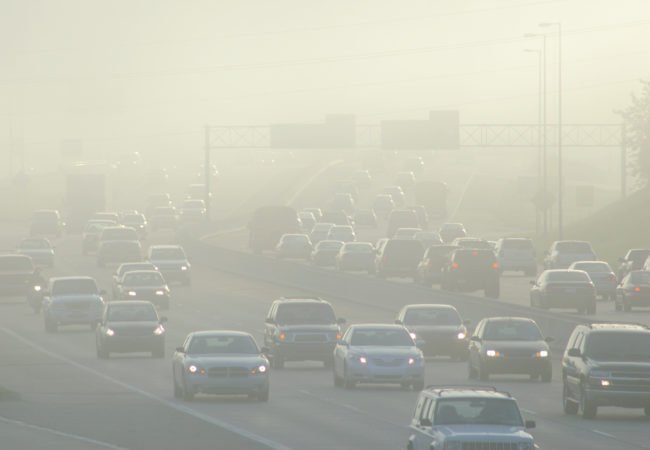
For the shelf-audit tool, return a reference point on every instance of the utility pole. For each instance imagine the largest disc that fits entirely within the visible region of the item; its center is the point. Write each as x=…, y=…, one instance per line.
x=206, y=162
x=540, y=162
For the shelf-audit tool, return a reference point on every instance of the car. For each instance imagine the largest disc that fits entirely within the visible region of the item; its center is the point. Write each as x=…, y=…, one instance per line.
x=516, y=254
x=399, y=258
x=428, y=238
x=90, y=234
x=405, y=179
x=397, y=194
x=19, y=276
x=450, y=231
x=356, y=256
x=163, y=218
x=382, y=205
x=633, y=291
x=294, y=245
x=378, y=353
x=362, y=178
x=402, y=218
x=563, y=253
x=118, y=252
x=337, y=217
x=429, y=269
x=325, y=253
x=406, y=233
x=471, y=242
x=601, y=274
x=117, y=233
x=106, y=215
x=634, y=259
x=646, y=265
x=365, y=218
x=319, y=232
x=509, y=345
x=307, y=221
x=317, y=212
x=130, y=326
x=144, y=285
x=46, y=222
x=343, y=233
x=172, y=262
x=124, y=268
x=606, y=364
x=39, y=249
x=301, y=329
x=72, y=300
x=136, y=221
x=220, y=362
x=438, y=329
x=193, y=210
x=342, y=201
x=471, y=269
x=423, y=215
x=563, y=288
x=468, y=418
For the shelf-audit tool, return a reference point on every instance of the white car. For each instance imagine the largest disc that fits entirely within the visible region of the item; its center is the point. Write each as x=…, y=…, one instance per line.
x=40, y=249
x=220, y=362
x=564, y=253
x=172, y=262
x=372, y=353
x=516, y=254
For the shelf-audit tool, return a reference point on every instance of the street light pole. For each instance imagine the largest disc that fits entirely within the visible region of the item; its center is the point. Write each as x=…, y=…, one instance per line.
x=560, y=156
x=539, y=132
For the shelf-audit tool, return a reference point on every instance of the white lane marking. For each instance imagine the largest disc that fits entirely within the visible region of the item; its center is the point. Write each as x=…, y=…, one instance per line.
x=60, y=433
x=602, y=433
x=528, y=411
x=181, y=408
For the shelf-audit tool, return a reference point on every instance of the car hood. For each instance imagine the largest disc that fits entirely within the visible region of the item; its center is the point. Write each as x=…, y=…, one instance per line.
x=299, y=328
x=621, y=365
x=436, y=329
x=146, y=324
x=484, y=433
x=372, y=350
x=75, y=297
x=207, y=361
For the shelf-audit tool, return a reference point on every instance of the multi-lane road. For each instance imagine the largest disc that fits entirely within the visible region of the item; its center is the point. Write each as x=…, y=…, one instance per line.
x=56, y=394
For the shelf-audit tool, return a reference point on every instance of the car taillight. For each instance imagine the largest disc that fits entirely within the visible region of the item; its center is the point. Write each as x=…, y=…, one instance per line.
x=637, y=289
x=454, y=265
x=495, y=265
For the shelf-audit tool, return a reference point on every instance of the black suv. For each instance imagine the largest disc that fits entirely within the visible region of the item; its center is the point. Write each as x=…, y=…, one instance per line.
x=606, y=364
x=301, y=329
x=19, y=276
x=472, y=269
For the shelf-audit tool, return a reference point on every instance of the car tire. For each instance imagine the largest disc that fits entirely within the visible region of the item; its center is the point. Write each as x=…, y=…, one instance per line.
x=188, y=395
x=50, y=325
x=178, y=392
x=483, y=374
x=589, y=409
x=328, y=363
x=617, y=305
x=471, y=373
x=570, y=407
x=591, y=308
x=338, y=381
x=348, y=383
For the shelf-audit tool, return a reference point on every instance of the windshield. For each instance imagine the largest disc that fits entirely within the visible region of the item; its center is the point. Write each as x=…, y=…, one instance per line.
x=131, y=267
x=167, y=253
x=133, y=218
x=16, y=263
x=638, y=256
x=305, y=314
x=517, y=244
x=119, y=234
x=219, y=345
x=431, y=316
x=295, y=238
x=131, y=313
x=73, y=286
x=382, y=338
x=613, y=346
x=640, y=277
x=143, y=279
x=477, y=411
x=329, y=245
x=34, y=244
x=567, y=276
x=512, y=330
x=593, y=267
x=358, y=248
x=573, y=247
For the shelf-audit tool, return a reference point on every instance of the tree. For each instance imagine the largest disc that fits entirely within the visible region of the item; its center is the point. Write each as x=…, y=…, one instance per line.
x=636, y=119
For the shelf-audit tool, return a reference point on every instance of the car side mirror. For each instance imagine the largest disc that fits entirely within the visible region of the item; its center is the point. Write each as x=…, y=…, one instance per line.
x=341, y=321
x=180, y=349
x=162, y=319
x=574, y=352
x=530, y=424
x=398, y=322
x=475, y=339
x=549, y=339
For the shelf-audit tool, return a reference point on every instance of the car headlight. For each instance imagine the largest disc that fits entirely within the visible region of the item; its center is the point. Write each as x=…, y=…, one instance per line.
x=461, y=335
x=132, y=293
x=183, y=267
x=493, y=353
x=542, y=354
x=110, y=332
x=160, y=292
x=37, y=288
x=282, y=337
x=412, y=361
x=413, y=335
x=159, y=330
x=363, y=360
x=195, y=370
x=259, y=370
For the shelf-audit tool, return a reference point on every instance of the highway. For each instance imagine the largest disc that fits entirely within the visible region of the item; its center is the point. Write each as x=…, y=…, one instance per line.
x=60, y=396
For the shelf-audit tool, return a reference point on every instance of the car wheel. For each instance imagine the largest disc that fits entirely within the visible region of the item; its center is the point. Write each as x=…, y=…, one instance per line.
x=277, y=362
x=328, y=363
x=570, y=407
x=348, y=383
x=591, y=309
x=617, y=305
x=188, y=395
x=338, y=382
x=492, y=291
x=471, y=373
x=483, y=374
x=588, y=408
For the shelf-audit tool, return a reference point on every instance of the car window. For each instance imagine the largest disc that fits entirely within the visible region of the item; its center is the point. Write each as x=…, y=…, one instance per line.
x=16, y=263
x=573, y=247
x=640, y=277
x=34, y=244
x=516, y=244
x=379, y=337
x=615, y=346
x=305, y=314
x=214, y=345
x=562, y=276
x=167, y=253
x=431, y=316
x=84, y=286
x=477, y=411
x=516, y=330
x=425, y=411
x=143, y=279
x=131, y=313
x=593, y=267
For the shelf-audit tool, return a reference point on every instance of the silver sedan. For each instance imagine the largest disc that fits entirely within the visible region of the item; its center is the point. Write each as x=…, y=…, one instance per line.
x=378, y=354
x=220, y=362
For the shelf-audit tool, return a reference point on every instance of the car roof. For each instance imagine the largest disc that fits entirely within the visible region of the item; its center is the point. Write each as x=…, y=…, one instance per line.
x=141, y=272
x=162, y=246
x=219, y=333
x=507, y=318
x=429, y=306
x=53, y=279
x=300, y=300
x=467, y=392
x=377, y=326
x=562, y=270
x=119, y=303
x=618, y=327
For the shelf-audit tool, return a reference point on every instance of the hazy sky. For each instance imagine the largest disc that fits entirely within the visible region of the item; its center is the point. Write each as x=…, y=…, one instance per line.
x=136, y=74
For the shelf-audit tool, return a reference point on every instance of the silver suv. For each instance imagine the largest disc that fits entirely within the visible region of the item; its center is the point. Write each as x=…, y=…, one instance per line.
x=458, y=418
